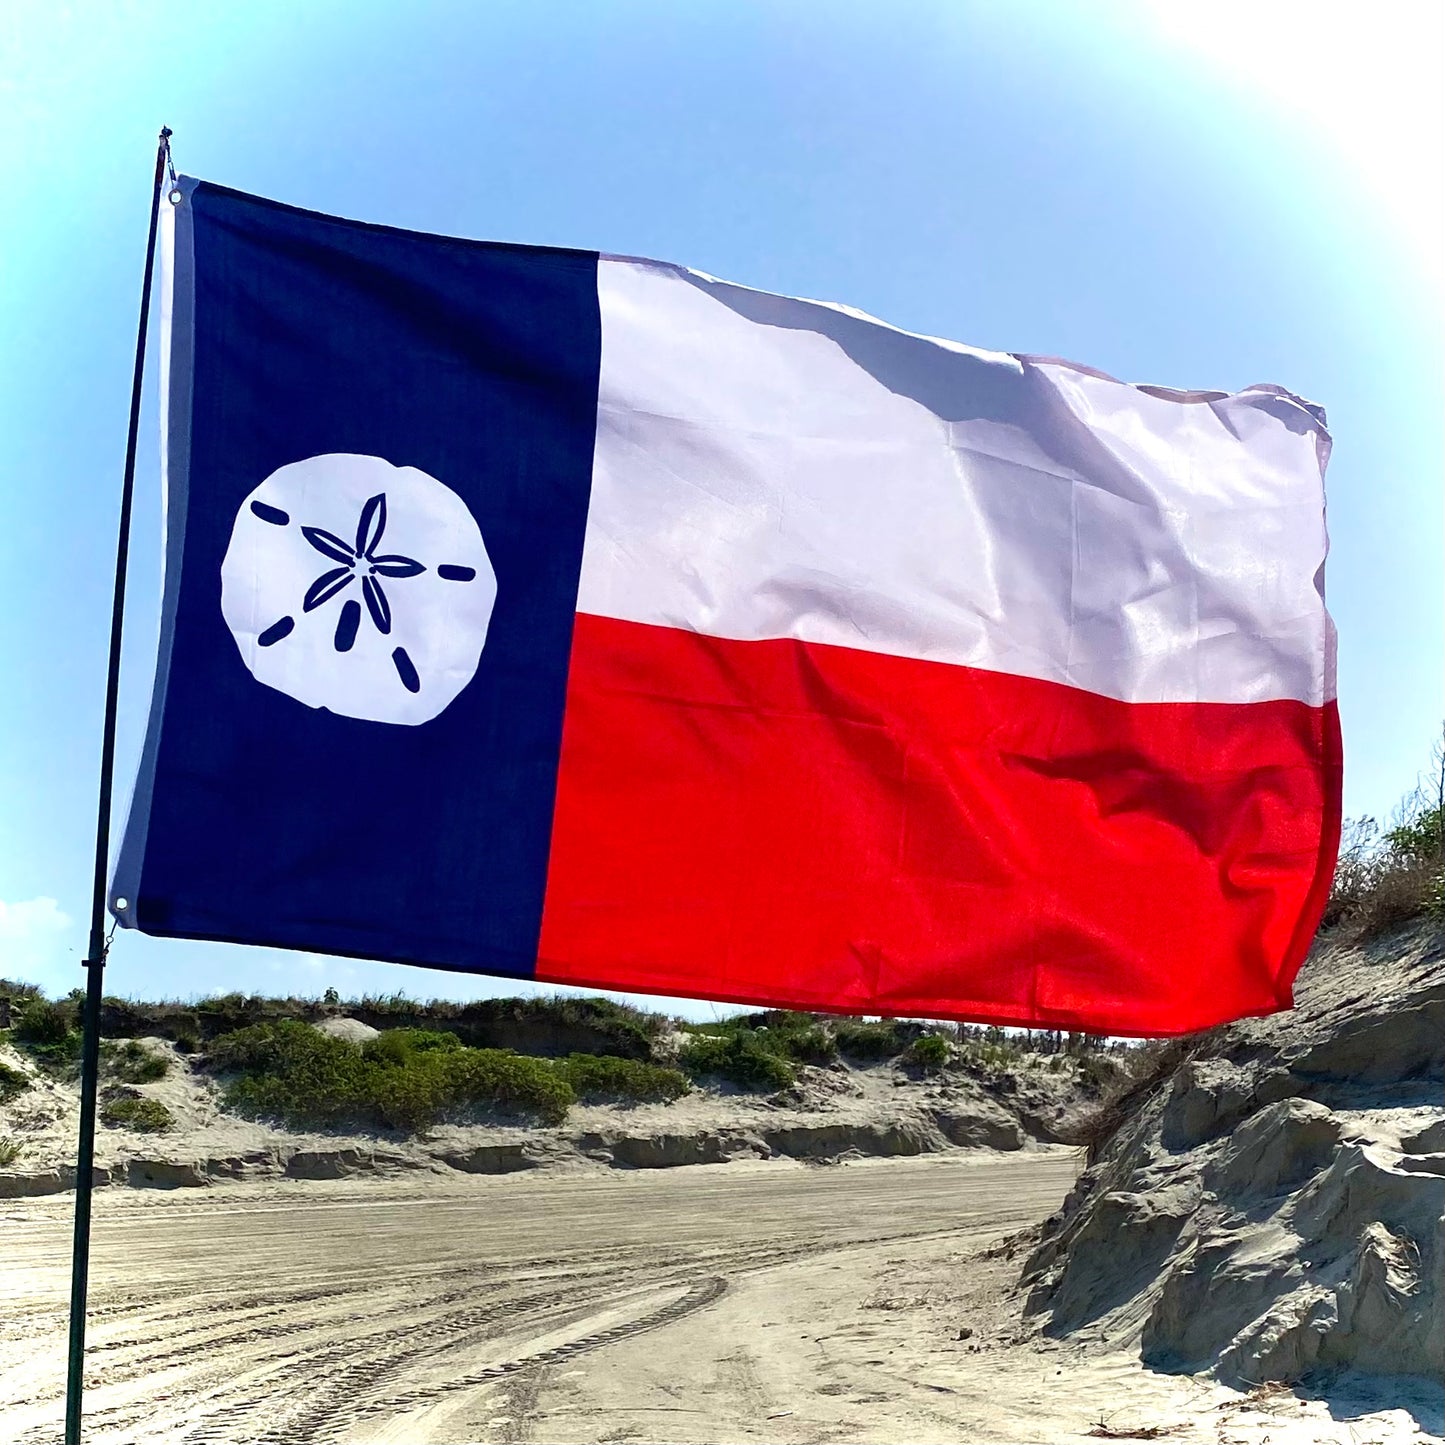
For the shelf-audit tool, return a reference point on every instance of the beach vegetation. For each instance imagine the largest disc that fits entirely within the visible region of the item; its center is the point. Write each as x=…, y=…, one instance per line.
x=131, y=1062
x=126, y=1111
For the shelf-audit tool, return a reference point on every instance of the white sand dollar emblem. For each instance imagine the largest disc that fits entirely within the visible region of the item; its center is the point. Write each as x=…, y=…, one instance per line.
x=359, y=587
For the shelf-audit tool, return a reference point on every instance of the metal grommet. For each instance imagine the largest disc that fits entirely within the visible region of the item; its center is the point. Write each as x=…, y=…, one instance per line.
x=121, y=904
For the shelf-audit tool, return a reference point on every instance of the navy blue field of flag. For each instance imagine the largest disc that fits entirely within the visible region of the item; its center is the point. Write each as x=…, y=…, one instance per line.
x=378, y=459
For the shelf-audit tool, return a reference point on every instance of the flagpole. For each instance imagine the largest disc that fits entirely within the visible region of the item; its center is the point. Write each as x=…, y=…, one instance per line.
x=95, y=954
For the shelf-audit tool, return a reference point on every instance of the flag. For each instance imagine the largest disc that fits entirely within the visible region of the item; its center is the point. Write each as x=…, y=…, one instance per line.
x=580, y=618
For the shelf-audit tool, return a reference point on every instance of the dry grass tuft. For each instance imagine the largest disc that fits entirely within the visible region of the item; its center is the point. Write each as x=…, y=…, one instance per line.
x=1372, y=899
x=1147, y=1068
x=1270, y=1395
x=1104, y=1429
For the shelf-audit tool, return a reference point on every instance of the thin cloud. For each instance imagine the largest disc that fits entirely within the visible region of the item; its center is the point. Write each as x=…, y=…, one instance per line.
x=34, y=946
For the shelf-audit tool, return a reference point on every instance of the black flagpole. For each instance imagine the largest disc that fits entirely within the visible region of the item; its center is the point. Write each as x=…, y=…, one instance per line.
x=95, y=955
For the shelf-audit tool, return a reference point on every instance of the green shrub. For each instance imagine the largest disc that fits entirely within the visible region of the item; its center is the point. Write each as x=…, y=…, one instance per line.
x=12, y=1082
x=868, y=1043
x=305, y=1077
x=45, y=1031
x=9, y=1150
x=546, y=1027
x=148, y=1116
x=291, y=1070
x=40, y=1022
x=1419, y=829
x=592, y=1077
x=132, y=1063
x=737, y=1055
x=702, y=1054
x=272, y=1047
x=409, y=1097
x=812, y=1045
x=931, y=1052
x=402, y=1046
x=1385, y=877
x=416, y=1093
x=498, y=1076
x=797, y=1038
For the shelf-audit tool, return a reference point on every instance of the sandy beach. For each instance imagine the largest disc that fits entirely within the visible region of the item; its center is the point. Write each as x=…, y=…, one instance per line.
x=867, y=1301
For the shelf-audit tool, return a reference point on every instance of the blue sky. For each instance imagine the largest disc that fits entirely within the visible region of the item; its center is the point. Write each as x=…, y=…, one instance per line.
x=1197, y=195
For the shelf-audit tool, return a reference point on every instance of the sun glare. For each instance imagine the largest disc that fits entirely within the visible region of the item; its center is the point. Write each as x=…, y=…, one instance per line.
x=1367, y=80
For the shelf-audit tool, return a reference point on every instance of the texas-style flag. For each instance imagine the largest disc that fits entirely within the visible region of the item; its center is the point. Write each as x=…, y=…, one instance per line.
x=585, y=619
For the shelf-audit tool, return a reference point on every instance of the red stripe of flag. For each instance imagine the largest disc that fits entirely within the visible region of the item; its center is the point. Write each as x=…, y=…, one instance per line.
x=800, y=825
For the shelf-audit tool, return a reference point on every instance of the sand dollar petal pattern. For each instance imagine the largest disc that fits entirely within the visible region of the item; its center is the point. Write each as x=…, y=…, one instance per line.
x=358, y=587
